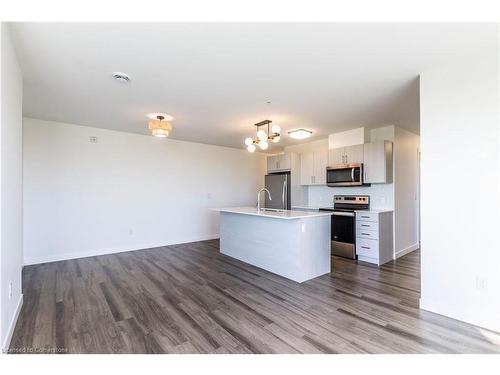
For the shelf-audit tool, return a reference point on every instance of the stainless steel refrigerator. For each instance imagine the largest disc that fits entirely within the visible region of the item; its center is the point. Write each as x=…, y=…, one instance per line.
x=278, y=185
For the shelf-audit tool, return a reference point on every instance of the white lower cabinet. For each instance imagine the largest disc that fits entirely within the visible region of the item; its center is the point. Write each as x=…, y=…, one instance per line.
x=367, y=248
x=374, y=237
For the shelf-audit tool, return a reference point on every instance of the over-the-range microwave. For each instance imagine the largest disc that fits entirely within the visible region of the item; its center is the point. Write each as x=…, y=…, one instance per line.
x=345, y=175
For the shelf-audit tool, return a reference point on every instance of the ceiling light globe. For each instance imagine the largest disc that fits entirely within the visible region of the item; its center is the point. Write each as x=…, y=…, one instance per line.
x=263, y=145
x=261, y=134
x=276, y=139
x=248, y=141
x=251, y=148
x=275, y=129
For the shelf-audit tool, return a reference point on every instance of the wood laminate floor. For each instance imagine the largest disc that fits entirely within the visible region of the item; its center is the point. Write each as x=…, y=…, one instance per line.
x=190, y=299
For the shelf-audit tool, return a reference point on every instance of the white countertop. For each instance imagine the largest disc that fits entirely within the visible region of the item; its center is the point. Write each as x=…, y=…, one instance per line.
x=306, y=207
x=285, y=214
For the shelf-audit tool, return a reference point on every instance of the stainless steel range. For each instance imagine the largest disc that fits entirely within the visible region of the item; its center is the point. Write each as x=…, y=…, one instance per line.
x=343, y=229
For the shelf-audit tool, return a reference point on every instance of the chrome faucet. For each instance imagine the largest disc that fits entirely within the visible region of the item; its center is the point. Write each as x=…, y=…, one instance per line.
x=258, y=197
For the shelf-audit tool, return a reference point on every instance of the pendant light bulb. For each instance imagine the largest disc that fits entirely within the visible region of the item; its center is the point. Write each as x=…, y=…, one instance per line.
x=275, y=129
x=251, y=148
x=276, y=139
x=261, y=134
x=248, y=141
x=263, y=145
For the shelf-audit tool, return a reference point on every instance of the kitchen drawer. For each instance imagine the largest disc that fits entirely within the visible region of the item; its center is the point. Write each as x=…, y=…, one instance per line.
x=366, y=216
x=366, y=225
x=366, y=233
x=367, y=248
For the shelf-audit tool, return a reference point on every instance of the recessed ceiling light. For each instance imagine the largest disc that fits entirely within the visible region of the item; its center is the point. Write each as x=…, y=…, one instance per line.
x=154, y=116
x=121, y=77
x=300, y=133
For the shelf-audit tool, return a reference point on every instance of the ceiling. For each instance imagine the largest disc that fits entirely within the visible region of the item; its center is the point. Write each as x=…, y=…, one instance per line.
x=216, y=78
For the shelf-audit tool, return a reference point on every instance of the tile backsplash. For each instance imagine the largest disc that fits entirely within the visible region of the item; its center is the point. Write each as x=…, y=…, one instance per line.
x=381, y=195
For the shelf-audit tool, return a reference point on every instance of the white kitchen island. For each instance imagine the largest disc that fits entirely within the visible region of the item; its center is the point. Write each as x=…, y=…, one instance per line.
x=292, y=244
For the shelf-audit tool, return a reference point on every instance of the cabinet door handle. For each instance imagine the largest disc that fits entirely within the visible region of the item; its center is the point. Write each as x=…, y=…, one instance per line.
x=365, y=247
x=365, y=234
x=365, y=217
x=364, y=225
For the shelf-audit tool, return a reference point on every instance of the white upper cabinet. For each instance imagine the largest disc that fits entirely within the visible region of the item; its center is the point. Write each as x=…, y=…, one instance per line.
x=284, y=162
x=336, y=156
x=378, y=162
x=320, y=164
x=354, y=154
x=346, y=155
x=306, y=168
x=313, y=167
x=281, y=162
x=272, y=163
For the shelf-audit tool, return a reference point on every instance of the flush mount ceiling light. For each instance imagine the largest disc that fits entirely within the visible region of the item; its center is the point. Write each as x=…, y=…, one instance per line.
x=300, y=133
x=159, y=127
x=263, y=138
x=121, y=77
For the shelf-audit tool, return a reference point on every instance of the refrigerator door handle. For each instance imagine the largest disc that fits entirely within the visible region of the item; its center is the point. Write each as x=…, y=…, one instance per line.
x=283, y=194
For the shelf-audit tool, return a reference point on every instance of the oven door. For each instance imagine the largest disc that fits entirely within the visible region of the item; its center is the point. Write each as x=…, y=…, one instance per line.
x=343, y=234
x=345, y=175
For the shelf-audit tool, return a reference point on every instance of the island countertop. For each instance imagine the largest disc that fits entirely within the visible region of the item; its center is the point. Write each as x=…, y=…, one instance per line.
x=284, y=214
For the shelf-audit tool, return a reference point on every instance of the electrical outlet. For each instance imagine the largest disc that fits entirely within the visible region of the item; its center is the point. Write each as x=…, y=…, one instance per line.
x=10, y=290
x=303, y=228
x=131, y=231
x=481, y=283
x=93, y=139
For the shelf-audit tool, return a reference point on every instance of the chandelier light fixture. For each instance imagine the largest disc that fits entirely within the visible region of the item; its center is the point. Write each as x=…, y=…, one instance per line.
x=262, y=138
x=159, y=127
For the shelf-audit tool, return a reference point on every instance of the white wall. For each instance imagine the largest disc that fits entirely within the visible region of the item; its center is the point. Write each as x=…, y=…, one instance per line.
x=308, y=146
x=125, y=192
x=347, y=138
x=406, y=191
x=10, y=186
x=460, y=181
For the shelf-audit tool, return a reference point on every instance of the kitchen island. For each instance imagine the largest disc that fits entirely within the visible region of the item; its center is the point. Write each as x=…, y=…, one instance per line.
x=292, y=244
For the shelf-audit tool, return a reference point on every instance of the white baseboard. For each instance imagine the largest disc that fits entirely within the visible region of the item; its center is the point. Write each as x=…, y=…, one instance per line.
x=408, y=250
x=489, y=323
x=83, y=254
x=12, y=324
